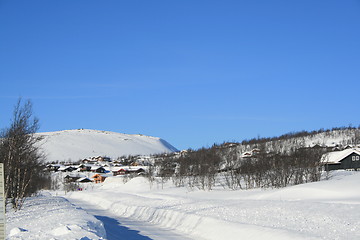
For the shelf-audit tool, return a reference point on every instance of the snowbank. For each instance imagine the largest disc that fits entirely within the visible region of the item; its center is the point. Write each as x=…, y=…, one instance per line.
x=324, y=210
x=50, y=217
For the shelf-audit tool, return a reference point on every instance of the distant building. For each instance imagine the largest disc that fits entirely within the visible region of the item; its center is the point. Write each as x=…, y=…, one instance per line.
x=97, y=169
x=69, y=178
x=348, y=159
x=84, y=180
x=98, y=178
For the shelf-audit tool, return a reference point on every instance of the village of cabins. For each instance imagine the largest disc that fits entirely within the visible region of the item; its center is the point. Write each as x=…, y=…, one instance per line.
x=99, y=168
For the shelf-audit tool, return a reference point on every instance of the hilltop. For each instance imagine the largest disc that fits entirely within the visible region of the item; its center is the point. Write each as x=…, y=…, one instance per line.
x=73, y=145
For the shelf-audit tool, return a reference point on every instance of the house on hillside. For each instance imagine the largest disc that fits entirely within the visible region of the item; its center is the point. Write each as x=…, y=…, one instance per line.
x=128, y=170
x=69, y=178
x=88, y=161
x=348, y=159
x=98, y=169
x=120, y=171
x=101, y=159
x=85, y=167
x=53, y=167
x=98, y=178
x=84, y=180
x=66, y=168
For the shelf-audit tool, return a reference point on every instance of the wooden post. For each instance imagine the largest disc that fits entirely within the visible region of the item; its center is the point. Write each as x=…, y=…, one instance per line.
x=2, y=204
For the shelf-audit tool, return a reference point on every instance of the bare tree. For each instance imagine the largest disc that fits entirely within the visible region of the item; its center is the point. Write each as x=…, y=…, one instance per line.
x=23, y=162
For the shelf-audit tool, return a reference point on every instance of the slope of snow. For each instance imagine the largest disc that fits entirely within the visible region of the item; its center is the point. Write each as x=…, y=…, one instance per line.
x=340, y=138
x=329, y=209
x=73, y=145
x=50, y=217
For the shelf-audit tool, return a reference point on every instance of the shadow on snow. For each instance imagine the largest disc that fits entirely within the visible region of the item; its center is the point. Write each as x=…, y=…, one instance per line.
x=114, y=230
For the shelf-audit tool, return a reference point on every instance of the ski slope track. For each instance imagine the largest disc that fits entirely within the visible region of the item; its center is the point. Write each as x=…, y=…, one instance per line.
x=73, y=145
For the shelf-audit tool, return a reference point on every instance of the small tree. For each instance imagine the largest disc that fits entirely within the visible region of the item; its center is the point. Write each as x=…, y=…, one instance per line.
x=23, y=161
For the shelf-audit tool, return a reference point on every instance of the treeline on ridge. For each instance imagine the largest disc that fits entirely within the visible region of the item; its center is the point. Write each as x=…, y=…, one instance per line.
x=271, y=164
x=297, y=134
x=204, y=168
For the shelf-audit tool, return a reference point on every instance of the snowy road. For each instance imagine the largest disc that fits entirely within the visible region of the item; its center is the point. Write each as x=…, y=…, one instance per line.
x=322, y=210
x=326, y=210
x=118, y=228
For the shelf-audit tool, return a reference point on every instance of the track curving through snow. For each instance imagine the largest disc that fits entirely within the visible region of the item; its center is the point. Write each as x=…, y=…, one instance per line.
x=118, y=228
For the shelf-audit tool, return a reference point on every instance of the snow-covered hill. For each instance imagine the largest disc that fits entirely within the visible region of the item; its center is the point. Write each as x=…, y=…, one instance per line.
x=73, y=145
x=338, y=137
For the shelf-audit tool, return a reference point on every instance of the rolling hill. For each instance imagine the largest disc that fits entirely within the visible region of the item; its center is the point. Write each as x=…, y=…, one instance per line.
x=73, y=145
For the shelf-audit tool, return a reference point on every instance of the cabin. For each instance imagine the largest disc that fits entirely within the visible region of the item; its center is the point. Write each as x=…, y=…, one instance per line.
x=84, y=180
x=69, y=178
x=53, y=167
x=139, y=171
x=88, y=161
x=85, y=168
x=121, y=171
x=128, y=170
x=348, y=159
x=66, y=169
x=98, y=178
x=98, y=169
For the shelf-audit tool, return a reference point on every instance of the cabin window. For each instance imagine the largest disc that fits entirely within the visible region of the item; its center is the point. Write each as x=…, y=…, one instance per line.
x=355, y=158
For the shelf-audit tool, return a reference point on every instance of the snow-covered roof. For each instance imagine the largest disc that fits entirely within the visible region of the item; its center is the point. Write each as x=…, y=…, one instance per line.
x=102, y=175
x=62, y=168
x=128, y=168
x=84, y=178
x=115, y=169
x=54, y=165
x=95, y=167
x=335, y=157
x=71, y=175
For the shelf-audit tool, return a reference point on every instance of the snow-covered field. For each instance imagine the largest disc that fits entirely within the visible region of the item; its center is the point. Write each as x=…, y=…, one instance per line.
x=329, y=209
x=73, y=145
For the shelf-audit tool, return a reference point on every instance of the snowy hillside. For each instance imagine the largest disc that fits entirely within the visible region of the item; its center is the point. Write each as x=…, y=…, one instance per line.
x=338, y=137
x=73, y=145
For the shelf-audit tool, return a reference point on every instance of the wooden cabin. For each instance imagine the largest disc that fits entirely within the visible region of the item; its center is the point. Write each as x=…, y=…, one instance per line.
x=98, y=178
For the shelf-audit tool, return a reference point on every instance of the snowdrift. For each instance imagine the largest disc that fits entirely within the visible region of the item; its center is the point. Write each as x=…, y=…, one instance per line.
x=51, y=217
x=329, y=209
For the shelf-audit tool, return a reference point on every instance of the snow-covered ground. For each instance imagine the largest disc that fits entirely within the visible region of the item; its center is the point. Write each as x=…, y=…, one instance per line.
x=329, y=209
x=73, y=145
x=51, y=217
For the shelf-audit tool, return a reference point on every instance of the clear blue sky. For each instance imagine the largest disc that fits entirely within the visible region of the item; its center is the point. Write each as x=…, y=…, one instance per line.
x=191, y=72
